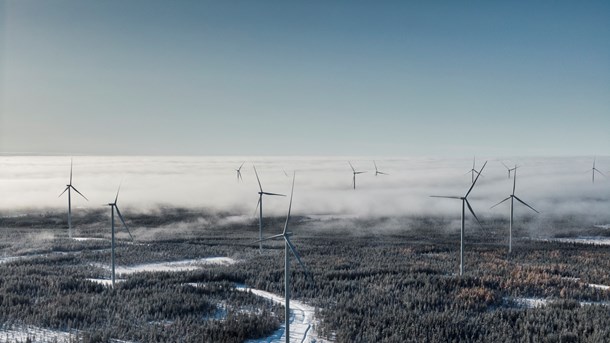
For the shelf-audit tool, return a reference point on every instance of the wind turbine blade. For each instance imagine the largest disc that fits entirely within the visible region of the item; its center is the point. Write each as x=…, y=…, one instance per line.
x=257, y=179
x=123, y=221
x=285, y=172
x=597, y=170
x=350, y=164
x=117, y=193
x=499, y=203
x=359, y=172
x=473, y=162
x=242, y=164
x=290, y=204
x=505, y=166
x=472, y=211
x=475, y=180
x=269, y=238
x=445, y=196
x=514, y=181
x=383, y=173
x=523, y=202
x=81, y=194
x=375, y=166
x=257, y=204
x=281, y=195
x=62, y=193
x=296, y=254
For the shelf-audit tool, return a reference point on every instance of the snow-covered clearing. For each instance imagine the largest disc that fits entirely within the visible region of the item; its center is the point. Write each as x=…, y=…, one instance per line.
x=531, y=302
x=176, y=266
x=21, y=333
x=83, y=239
x=596, y=240
x=604, y=287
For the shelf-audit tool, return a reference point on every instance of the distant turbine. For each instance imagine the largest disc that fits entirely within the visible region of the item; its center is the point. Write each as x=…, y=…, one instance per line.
x=377, y=172
x=512, y=198
x=238, y=170
x=509, y=169
x=593, y=170
x=464, y=203
x=68, y=188
x=113, y=207
x=288, y=248
x=473, y=171
x=259, y=205
x=355, y=173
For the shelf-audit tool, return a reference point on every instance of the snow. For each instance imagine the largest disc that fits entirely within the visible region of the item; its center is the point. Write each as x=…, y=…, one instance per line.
x=105, y=282
x=302, y=320
x=176, y=266
x=583, y=240
x=20, y=333
x=593, y=285
x=82, y=239
x=531, y=302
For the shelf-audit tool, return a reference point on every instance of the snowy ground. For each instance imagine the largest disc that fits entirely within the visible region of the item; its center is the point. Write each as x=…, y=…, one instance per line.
x=302, y=320
x=176, y=266
x=21, y=333
x=584, y=240
x=531, y=302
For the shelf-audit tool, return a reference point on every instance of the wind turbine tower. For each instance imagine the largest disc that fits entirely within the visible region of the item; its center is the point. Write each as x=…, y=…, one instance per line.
x=238, y=170
x=259, y=205
x=288, y=249
x=113, y=208
x=512, y=198
x=355, y=173
x=69, y=188
x=465, y=203
x=594, y=170
x=377, y=172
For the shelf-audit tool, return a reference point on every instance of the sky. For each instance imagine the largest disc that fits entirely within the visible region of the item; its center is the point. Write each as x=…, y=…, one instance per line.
x=310, y=78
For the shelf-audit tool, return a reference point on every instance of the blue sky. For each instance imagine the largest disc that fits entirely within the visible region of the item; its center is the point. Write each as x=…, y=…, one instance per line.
x=305, y=78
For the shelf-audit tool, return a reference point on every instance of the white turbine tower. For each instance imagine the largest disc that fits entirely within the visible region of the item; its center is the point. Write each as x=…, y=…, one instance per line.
x=259, y=206
x=512, y=198
x=509, y=169
x=238, y=170
x=288, y=248
x=465, y=203
x=355, y=173
x=377, y=172
x=594, y=170
x=473, y=171
x=113, y=207
x=68, y=188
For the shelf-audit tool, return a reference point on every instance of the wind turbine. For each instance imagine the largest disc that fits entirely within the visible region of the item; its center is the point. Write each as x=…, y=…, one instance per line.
x=464, y=203
x=509, y=169
x=473, y=171
x=355, y=173
x=113, y=207
x=68, y=188
x=259, y=205
x=288, y=248
x=593, y=170
x=377, y=172
x=512, y=198
x=238, y=170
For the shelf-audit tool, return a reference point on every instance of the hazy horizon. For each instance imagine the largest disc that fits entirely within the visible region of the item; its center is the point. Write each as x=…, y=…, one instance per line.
x=555, y=186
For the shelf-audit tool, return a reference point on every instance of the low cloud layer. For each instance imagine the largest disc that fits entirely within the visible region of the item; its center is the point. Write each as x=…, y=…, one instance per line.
x=554, y=186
